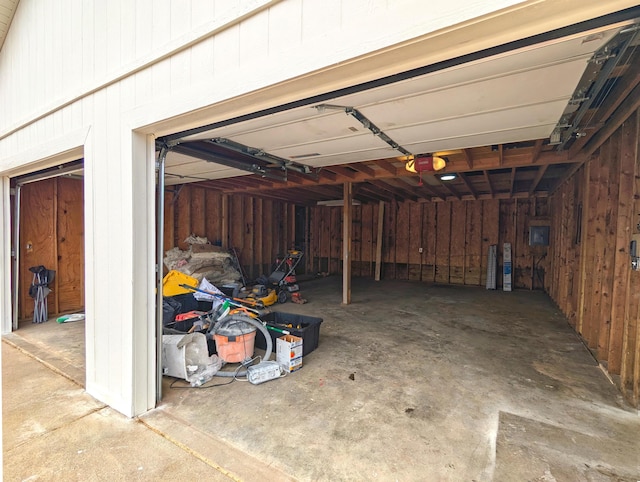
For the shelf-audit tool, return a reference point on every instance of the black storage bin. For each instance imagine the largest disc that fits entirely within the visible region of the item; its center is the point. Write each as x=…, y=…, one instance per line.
x=188, y=302
x=309, y=330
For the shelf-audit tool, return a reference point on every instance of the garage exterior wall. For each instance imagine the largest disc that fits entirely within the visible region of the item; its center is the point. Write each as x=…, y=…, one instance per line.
x=594, y=215
x=100, y=79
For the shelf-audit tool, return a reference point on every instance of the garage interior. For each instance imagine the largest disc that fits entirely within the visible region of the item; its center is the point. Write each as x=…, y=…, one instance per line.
x=425, y=372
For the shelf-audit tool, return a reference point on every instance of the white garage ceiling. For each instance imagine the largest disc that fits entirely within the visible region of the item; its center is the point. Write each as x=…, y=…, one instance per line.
x=517, y=96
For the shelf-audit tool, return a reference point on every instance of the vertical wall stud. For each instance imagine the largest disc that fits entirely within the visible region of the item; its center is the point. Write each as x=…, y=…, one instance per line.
x=379, y=241
x=347, y=215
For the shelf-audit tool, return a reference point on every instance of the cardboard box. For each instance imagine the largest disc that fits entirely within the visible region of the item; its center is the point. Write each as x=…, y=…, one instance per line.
x=289, y=352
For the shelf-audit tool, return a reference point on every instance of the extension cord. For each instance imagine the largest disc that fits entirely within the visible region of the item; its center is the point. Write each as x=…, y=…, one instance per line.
x=263, y=372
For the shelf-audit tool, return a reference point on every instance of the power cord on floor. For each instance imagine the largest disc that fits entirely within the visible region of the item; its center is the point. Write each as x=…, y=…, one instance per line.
x=205, y=385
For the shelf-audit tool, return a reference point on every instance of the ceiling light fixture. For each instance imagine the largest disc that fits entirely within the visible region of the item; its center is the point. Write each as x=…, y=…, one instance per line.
x=450, y=176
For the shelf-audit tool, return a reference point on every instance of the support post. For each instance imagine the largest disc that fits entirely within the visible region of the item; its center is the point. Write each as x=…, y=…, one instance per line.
x=379, y=241
x=347, y=215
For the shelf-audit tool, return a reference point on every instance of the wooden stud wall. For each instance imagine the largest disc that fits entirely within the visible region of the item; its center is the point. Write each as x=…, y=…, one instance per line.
x=52, y=235
x=258, y=229
x=593, y=216
x=444, y=242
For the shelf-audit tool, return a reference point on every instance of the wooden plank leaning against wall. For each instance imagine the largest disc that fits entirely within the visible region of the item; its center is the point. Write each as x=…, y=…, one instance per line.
x=592, y=248
x=52, y=235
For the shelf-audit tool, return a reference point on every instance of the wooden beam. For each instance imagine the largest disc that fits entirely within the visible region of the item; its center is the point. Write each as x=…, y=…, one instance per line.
x=343, y=171
x=387, y=166
x=360, y=167
x=513, y=180
x=623, y=87
x=590, y=178
x=347, y=227
x=630, y=105
x=469, y=158
x=385, y=170
x=225, y=221
x=537, y=149
x=624, y=229
x=425, y=187
x=469, y=186
x=323, y=174
x=379, y=241
x=487, y=178
x=296, y=178
x=630, y=364
x=396, y=191
x=636, y=366
x=451, y=189
x=500, y=154
x=534, y=185
x=373, y=193
x=401, y=189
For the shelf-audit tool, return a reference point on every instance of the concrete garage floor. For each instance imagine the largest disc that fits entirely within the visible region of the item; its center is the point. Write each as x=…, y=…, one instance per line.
x=413, y=382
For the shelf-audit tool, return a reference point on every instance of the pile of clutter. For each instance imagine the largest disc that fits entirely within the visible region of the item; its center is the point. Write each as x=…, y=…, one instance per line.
x=206, y=328
x=203, y=260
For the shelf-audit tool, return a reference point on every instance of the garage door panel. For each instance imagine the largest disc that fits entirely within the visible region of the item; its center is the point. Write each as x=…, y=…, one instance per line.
x=336, y=128
x=486, y=123
x=476, y=140
x=496, y=96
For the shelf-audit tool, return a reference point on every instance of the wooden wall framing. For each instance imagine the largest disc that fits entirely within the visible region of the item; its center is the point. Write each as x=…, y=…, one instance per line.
x=259, y=229
x=52, y=235
x=594, y=215
x=444, y=242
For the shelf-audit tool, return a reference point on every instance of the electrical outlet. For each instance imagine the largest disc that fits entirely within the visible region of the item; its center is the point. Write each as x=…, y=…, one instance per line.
x=419, y=250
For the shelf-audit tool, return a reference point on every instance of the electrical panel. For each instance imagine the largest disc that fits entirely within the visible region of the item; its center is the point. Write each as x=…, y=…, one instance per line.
x=539, y=236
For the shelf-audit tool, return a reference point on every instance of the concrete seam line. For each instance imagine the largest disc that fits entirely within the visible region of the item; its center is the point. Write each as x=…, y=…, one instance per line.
x=189, y=450
x=172, y=48
x=42, y=361
x=54, y=429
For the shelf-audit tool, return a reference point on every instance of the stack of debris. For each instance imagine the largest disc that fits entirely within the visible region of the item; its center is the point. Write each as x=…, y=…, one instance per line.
x=203, y=260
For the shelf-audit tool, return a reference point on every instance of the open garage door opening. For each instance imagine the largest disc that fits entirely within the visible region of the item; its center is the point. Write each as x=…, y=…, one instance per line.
x=48, y=288
x=448, y=174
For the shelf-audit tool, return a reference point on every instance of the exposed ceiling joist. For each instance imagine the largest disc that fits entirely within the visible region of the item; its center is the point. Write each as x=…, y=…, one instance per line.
x=468, y=185
x=537, y=149
x=630, y=105
x=449, y=187
x=534, y=185
x=493, y=141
